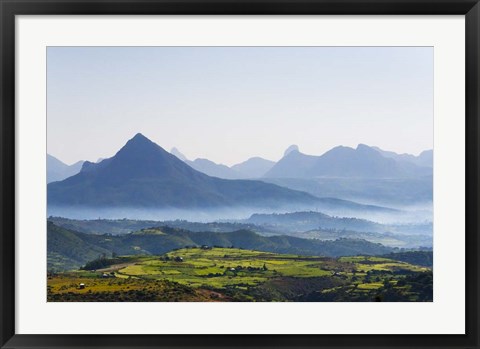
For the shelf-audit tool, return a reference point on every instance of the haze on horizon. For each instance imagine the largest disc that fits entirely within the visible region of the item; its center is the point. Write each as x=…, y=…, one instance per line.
x=228, y=104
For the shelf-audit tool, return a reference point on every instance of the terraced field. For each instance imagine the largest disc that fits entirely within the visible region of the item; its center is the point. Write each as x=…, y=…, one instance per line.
x=229, y=274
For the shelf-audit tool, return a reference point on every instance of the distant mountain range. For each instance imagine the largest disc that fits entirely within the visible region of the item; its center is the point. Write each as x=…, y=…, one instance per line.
x=425, y=158
x=255, y=167
x=57, y=170
x=145, y=175
x=339, y=162
x=345, y=162
x=213, y=169
x=142, y=174
x=252, y=168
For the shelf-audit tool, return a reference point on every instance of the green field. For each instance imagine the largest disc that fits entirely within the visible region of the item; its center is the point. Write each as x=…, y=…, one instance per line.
x=230, y=274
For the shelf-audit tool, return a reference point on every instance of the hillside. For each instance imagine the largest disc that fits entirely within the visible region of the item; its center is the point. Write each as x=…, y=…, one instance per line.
x=67, y=249
x=79, y=247
x=230, y=274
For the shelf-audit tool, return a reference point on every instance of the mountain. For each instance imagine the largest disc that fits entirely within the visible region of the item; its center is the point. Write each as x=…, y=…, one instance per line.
x=213, y=169
x=363, y=162
x=57, y=170
x=424, y=159
x=291, y=148
x=294, y=164
x=178, y=154
x=255, y=167
x=142, y=174
x=208, y=167
x=346, y=162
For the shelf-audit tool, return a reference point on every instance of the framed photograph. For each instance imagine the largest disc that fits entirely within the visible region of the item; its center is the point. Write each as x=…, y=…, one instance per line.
x=239, y=174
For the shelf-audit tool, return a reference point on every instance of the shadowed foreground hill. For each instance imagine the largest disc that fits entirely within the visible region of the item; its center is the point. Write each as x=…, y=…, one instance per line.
x=67, y=250
x=142, y=174
x=78, y=248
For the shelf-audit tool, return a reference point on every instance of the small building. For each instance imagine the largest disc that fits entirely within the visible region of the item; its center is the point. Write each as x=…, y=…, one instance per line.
x=178, y=259
x=81, y=286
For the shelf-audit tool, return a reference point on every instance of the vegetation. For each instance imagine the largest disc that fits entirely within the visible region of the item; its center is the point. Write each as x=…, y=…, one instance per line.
x=67, y=250
x=307, y=224
x=79, y=247
x=231, y=274
x=66, y=288
x=423, y=258
x=125, y=226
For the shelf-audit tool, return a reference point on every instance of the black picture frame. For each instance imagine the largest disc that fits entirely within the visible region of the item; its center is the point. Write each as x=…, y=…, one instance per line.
x=10, y=8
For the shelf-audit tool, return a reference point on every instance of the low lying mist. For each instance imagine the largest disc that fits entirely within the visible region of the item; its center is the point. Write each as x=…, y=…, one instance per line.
x=406, y=215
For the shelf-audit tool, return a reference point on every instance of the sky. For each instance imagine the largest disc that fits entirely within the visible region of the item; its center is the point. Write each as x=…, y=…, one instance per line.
x=228, y=104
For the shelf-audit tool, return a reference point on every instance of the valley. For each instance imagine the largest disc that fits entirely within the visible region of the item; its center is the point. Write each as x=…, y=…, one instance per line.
x=351, y=225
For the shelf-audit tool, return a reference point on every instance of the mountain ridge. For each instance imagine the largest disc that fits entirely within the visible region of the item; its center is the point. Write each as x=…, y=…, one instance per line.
x=57, y=170
x=346, y=162
x=143, y=174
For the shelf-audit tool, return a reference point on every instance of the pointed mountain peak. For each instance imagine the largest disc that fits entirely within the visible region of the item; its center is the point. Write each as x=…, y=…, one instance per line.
x=140, y=138
x=139, y=143
x=290, y=149
x=178, y=154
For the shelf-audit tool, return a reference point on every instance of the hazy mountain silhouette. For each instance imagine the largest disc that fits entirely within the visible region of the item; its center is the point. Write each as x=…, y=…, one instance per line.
x=424, y=159
x=142, y=174
x=178, y=154
x=213, y=169
x=291, y=148
x=255, y=167
x=57, y=170
x=294, y=164
x=346, y=162
x=360, y=162
x=208, y=167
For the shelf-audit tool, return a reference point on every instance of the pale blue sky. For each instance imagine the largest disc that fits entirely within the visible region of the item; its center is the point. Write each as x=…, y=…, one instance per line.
x=231, y=103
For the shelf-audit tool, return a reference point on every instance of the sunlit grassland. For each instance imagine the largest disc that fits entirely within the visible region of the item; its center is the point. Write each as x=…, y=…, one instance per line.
x=365, y=264
x=196, y=274
x=221, y=267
